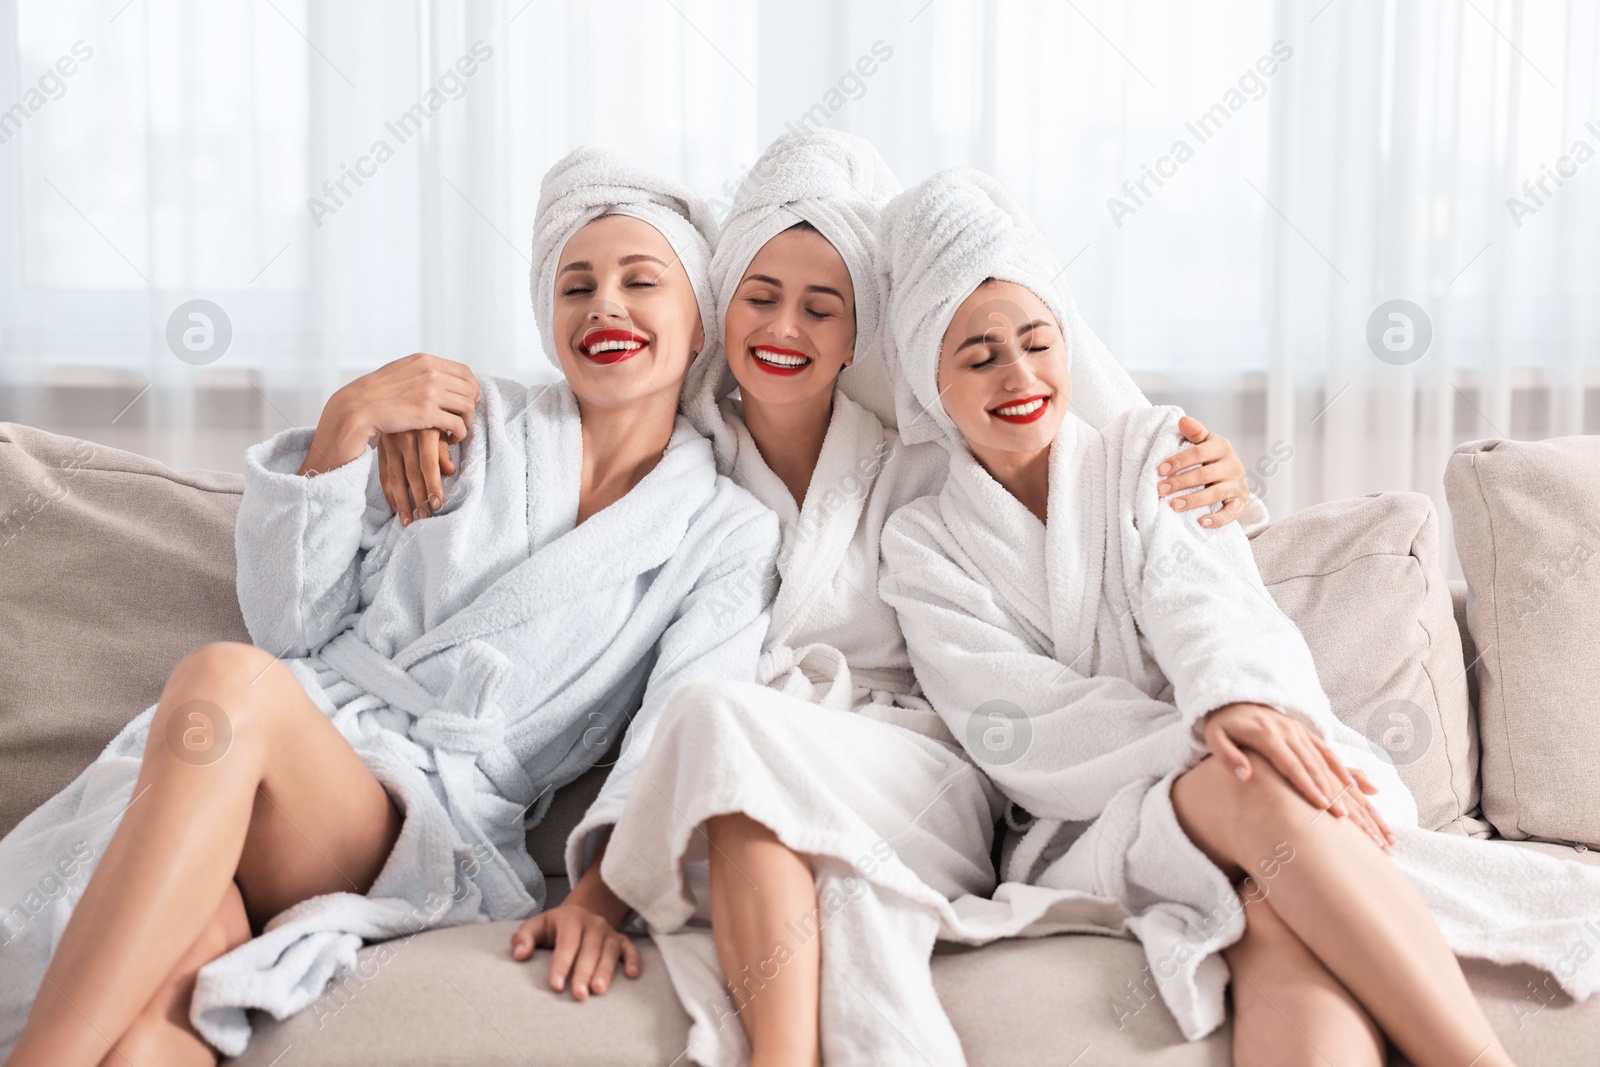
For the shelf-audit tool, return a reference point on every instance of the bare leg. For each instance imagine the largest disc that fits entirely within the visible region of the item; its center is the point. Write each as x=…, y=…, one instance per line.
x=1288, y=1011
x=757, y=886
x=288, y=812
x=162, y=1036
x=1349, y=905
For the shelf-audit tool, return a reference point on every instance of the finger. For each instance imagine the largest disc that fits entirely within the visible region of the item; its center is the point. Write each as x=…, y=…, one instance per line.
x=391, y=475
x=1363, y=782
x=1223, y=516
x=1389, y=837
x=419, y=488
x=610, y=952
x=1370, y=821
x=527, y=937
x=1193, y=429
x=444, y=419
x=1213, y=449
x=428, y=460
x=1316, y=765
x=632, y=962
x=456, y=397
x=1289, y=764
x=594, y=943
x=1332, y=786
x=1225, y=750
x=1200, y=499
x=446, y=463
x=1335, y=764
x=1205, y=474
x=568, y=937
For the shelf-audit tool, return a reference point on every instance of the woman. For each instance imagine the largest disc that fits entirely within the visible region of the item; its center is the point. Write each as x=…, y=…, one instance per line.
x=435, y=683
x=831, y=784
x=1180, y=750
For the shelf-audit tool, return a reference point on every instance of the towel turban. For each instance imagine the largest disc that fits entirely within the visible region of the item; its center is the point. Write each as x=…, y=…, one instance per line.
x=940, y=241
x=839, y=184
x=590, y=182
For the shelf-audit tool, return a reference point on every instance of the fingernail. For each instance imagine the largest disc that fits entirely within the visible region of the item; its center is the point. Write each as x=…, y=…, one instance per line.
x=1338, y=807
x=405, y=520
x=1179, y=504
x=599, y=985
x=561, y=982
x=1205, y=522
x=434, y=501
x=1165, y=468
x=580, y=990
x=1165, y=488
x=1241, y=772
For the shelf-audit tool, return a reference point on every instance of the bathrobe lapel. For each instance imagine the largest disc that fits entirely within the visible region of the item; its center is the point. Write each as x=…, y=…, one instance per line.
x=1074, y=556
x=816, y=541
x=630, y=537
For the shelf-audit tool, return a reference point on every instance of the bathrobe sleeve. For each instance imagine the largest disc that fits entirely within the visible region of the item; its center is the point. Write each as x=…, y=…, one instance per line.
x=1198, y=599
x=716, y=635
x=1057, y=742
x=300, y=542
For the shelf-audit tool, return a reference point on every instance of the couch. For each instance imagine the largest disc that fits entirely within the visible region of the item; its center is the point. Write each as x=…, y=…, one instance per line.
x=112, y=567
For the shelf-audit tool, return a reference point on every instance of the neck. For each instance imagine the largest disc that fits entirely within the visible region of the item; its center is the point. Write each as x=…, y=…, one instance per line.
x=789, y=437
x=1025, y=475
x=621, y=445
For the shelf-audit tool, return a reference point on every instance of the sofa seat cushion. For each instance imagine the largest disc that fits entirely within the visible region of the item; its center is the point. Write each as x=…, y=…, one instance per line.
x=114, y=568
x=1362, y=581
x=451, y=997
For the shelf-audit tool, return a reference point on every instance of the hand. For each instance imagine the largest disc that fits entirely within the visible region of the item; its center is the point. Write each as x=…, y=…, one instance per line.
x=409, y=463
x=1217, y=469
x=587, y=947
x=1303, y=758
x=417, y=392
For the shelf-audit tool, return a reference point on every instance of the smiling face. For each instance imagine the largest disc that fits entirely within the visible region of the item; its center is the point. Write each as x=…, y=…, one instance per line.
x=626, y=321
x=791, y=325
x=1003, y=370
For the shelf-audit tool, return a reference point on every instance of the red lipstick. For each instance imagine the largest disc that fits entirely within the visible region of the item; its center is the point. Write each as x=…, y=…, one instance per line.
x=1031, y=416
x=615, y=345
x=779, y=368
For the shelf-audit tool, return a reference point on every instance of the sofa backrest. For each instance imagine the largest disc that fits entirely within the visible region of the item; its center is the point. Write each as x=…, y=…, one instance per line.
x=113, y=567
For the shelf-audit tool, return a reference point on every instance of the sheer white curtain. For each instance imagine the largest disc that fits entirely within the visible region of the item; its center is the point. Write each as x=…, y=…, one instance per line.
x=1241, y=188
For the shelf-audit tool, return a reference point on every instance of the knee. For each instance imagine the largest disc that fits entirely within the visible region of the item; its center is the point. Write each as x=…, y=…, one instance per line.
x=1210, y=790
x=215, y=699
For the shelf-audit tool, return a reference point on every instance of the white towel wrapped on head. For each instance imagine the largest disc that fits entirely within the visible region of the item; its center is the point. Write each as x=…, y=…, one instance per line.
x=839, y=184
x=590, y=182
x=940, y=241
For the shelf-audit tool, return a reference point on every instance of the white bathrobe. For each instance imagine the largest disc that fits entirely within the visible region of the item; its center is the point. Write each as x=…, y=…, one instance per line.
x=477, y=660
x=839, y=755
x=1077, y=660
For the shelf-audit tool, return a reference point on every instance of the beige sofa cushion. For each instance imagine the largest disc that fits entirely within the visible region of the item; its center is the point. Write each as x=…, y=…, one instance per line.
x=1361, y=579
x=1527, y=527
x=112, y=568
x=455, y=997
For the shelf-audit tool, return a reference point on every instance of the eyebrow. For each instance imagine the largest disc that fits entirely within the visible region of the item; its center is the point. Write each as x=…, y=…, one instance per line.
x=770, y=280
x=637, y=257
x=982, y=338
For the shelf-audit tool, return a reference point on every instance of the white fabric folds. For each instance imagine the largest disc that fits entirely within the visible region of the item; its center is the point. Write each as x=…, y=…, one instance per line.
x=477, y=661
x=590, y=182
x=937, y=243
x=1077, y=659
x=839, y=184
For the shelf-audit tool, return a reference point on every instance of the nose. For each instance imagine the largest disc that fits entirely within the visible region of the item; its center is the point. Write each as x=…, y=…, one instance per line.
x=784, y=324
x=605, y=311
x=1018, y=374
